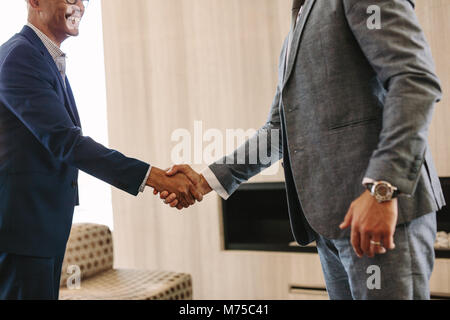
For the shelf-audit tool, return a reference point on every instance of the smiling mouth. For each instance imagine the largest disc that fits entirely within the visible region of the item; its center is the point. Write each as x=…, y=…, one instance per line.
x=73, y=17
x=73, y=20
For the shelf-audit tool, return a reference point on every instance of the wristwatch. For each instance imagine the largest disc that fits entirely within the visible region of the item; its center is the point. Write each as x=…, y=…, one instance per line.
x=383, y=191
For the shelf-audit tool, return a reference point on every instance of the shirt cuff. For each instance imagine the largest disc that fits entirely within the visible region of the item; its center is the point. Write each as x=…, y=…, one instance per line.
x=144, y=183
x=367, y=181
x=214, y=183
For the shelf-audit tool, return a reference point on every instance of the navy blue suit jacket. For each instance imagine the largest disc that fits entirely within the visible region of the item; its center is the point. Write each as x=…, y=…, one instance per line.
x=41, y=149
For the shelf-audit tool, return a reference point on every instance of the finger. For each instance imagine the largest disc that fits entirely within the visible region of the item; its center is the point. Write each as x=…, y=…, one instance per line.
x=389, y=241
x=172, y=171
x=197, y=194
x=365, y=243
x=184, y=202
x=180, y=207
x=356, y=242
x=347, y=220
x=171, y=198
x=164, y=195
x=174, y=203
x=191, y=174
x=187, y=170
x=189, y=198
x=374, y=248
x=155, y=192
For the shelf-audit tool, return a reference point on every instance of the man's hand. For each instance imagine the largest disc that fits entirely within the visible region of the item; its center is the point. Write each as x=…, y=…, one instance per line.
x=371, y=223
x=197, y=180
x=180, y=187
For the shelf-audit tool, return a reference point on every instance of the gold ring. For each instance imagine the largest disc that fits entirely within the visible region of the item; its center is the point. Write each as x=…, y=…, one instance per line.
x=375, y=243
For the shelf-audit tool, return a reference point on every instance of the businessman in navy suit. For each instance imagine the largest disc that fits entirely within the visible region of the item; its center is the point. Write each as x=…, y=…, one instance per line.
x=42, y=147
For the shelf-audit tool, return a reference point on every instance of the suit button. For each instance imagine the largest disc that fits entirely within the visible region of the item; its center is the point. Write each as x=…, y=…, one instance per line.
x=415, y=170
x=418, y=163
x=74, y=184
x=412, y=177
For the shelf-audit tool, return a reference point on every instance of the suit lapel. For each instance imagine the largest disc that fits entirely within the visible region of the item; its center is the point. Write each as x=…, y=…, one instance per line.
x=32, y=36
x=284, y=61
x=297, y=37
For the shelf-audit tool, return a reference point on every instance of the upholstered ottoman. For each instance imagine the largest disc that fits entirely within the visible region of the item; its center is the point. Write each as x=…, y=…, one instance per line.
x=88, y=273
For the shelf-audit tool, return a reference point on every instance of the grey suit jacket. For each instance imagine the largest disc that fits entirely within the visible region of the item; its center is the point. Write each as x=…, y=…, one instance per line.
x=352, y=103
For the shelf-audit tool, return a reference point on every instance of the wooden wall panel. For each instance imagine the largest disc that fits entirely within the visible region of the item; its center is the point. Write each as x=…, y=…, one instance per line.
x=433, y=16
x=172, y=62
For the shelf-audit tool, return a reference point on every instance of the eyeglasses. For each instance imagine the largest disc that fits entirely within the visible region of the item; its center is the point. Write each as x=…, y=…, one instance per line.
x=85, y=2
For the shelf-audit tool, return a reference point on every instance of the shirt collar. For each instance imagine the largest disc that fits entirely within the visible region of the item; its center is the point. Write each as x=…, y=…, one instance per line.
x=52, y=48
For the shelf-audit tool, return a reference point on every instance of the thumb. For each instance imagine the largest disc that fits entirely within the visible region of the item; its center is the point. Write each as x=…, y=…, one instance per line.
x=347, y=221
x=172, y=171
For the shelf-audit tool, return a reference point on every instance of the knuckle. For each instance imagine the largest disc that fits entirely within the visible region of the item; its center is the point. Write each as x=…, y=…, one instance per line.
x=376, y=231
x=366, y=230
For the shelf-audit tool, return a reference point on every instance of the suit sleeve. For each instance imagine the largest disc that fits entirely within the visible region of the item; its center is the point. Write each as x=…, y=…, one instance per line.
x=401, y=57
x=26, y=90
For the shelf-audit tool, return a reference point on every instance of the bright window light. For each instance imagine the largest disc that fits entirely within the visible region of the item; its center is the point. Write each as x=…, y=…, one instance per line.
x=86, y=73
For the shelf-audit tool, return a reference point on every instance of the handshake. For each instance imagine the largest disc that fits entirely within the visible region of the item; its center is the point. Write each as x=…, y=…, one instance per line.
x=179, y=187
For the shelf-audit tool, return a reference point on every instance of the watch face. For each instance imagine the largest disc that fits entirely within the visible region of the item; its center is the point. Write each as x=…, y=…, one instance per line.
x=383, y=192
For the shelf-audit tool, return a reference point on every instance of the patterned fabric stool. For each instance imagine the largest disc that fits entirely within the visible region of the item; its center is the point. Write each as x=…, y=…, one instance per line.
x=89, y=257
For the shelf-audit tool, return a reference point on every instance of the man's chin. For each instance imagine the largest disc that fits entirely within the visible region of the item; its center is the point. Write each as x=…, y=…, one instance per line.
x=72, y=30
x=73, y=33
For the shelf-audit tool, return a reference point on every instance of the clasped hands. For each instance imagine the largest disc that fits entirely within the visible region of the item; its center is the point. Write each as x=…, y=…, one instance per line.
x=179, y=187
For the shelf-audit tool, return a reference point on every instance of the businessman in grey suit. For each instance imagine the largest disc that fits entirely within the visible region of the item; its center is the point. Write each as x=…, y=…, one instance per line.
x=353, y=104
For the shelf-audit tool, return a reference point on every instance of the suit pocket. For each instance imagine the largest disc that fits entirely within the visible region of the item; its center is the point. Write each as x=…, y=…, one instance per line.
x=354, y=123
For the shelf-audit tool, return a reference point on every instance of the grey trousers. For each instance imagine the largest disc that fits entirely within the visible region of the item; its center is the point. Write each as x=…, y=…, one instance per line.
x=401, y=274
